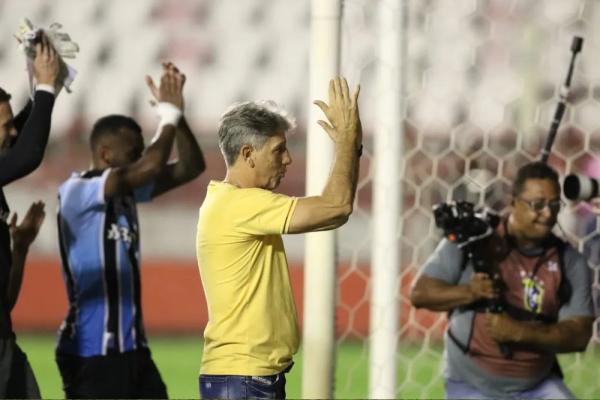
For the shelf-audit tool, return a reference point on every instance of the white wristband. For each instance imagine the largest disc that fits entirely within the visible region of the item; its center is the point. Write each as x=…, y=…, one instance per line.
x=45, y=88
x=169, y=114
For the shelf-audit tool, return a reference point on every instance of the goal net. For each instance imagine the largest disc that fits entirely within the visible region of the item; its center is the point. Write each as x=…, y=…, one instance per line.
x=481, y=87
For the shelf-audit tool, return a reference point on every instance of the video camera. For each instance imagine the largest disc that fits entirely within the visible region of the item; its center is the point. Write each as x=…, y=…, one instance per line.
x=462, y=224
x=472, y=231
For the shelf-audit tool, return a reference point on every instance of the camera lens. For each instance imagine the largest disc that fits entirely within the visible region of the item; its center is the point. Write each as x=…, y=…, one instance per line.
x=578, y=187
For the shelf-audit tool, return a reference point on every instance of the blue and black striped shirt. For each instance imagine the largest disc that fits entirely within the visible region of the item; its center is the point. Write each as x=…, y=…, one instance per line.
x=100, y=252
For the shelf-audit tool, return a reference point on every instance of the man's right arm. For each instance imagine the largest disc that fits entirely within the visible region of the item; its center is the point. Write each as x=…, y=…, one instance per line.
x=333, y=207
x=439, y=286
x=145, y=170
x=437, y=295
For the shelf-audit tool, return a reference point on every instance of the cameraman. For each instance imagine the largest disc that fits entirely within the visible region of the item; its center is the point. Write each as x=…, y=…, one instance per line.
x=541, y=298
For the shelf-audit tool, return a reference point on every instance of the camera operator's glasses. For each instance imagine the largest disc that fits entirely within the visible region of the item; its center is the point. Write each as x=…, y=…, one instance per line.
x=539, y=204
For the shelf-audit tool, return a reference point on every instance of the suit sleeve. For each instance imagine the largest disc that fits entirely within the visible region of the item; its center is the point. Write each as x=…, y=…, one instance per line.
x=27, y=152
x=21, y=118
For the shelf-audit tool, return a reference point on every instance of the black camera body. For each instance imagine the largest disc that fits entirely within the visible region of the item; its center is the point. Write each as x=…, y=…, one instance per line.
x=469, y=229
x=472, y=231
x=462, y=224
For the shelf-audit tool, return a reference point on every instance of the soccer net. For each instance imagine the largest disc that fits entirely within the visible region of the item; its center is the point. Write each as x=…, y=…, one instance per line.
x=482, y=80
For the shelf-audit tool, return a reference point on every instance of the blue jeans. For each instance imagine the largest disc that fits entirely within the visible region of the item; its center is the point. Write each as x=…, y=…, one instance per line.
x=550, y=388
x=242, y=387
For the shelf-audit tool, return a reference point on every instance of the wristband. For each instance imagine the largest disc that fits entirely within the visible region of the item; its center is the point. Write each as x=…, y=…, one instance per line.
x=45, y=87
x=169, y=114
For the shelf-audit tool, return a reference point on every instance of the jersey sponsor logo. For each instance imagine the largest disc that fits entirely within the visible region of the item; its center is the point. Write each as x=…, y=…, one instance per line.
x=123, y=233
x=533, y=295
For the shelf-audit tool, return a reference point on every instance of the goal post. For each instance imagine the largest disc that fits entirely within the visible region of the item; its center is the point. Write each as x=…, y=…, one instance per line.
x=320, y=248
x=477, y=85
x=385, y=258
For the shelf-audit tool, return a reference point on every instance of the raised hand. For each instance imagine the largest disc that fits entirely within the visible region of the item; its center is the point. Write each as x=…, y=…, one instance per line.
x=46, y=64
x=342, y=112
x=25, y=233
x=171, y=85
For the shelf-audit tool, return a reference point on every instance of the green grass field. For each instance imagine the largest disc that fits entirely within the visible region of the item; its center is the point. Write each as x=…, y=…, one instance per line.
x=419, y=375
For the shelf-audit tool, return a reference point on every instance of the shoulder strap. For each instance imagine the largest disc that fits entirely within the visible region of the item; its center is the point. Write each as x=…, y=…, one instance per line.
x=92, y=173
x=464, y=348
x=564, y=288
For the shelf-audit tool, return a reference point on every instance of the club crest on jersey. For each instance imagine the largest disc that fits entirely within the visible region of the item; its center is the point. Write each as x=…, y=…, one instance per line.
x=533, y=295
x=117, y=232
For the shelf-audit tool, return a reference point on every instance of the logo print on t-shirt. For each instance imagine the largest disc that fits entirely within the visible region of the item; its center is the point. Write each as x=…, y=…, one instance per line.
x=533, y=295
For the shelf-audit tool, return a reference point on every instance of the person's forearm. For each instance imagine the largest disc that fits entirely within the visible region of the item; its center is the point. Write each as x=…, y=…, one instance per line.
x=19, y=254
x=441, y=297
x=191, y=160
x=562, y=337
x=156, y=156
x=27, y=153
x=341, y=185
x=152, y=164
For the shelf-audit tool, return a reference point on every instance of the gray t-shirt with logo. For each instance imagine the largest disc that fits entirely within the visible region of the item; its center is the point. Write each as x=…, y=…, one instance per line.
x=446, y=264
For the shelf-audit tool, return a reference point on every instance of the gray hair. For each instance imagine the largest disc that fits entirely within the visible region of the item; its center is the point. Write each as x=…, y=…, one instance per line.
x=253, y=123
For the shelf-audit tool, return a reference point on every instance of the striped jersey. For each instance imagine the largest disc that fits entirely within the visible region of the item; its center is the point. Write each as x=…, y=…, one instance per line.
x=100, y=253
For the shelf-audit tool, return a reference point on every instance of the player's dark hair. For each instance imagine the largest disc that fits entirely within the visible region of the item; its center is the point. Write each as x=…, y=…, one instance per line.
x=110, y=125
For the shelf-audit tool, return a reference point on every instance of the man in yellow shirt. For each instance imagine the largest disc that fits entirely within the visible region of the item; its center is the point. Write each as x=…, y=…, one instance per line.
x=252, y=331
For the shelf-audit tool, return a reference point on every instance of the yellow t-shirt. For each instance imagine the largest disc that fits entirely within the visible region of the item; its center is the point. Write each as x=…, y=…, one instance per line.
x=252, y=328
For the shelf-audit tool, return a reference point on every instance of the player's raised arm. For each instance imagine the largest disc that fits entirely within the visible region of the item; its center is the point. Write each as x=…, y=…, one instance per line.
x=190, y=162
x=149, y=166
x=333, y=207
x=23, y=142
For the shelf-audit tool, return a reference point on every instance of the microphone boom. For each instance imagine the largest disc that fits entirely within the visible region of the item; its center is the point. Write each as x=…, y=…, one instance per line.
x=576, y=46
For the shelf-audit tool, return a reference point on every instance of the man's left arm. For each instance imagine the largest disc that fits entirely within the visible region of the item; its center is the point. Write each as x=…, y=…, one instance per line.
x=566, y=336
x=189, y=165
x=576, y=317
x=27, y=152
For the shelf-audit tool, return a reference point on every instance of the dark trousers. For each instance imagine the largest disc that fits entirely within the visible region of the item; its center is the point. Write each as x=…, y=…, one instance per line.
x=16, y=376
x=243, y=387
x=130, y=375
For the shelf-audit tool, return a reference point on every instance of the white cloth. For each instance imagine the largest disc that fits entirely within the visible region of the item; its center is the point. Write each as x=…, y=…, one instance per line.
x=28, y=34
